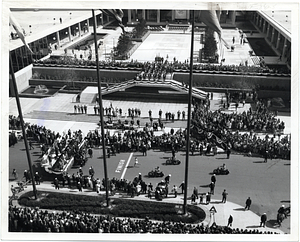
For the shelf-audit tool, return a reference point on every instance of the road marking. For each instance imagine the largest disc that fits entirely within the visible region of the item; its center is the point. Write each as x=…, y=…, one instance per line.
x=120, y=166
x=125, y=169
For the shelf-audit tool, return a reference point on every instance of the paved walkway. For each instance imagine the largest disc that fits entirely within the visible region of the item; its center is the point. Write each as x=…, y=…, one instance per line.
x=241, y=219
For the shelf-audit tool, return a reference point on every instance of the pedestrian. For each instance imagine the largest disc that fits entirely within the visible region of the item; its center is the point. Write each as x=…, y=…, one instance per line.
x=208, y=196
x=213, y=179
x=90, y=152
x=75, y=108
x=183, y=115
x=248, y=203
x=56, y=183
x=136, y=162
x=37, y=178
x=195, y=192
x=85, y=109
x=230, y=220
x=79, y=186
x=15, y=174
x=212, y=188
x=26, y=176
x=224, y=196
x=178, y=114
x=266, y=156
x=201, y=198
x=174, y=190
x=263, y=220
x=92, y=172
x=233, y=40
x=30, y=145
x=228, y=152
x=182, y=187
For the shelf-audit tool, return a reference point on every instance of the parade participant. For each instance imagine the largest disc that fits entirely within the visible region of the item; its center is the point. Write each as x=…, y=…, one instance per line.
x=168, y=178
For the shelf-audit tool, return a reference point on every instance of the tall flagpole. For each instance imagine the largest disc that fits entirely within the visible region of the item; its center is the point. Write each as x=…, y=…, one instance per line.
x=189, y=117
x=101, y=110
x=22, y=124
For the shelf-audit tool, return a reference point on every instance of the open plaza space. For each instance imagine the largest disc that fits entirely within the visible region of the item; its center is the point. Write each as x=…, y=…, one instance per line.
x=268, y=184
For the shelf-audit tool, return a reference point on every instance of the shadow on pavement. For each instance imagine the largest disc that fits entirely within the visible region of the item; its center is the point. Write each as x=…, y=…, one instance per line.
x=285, y=201
x=253, y=227
x=272, y=223
x=216, y=202
x=239, y=209
x=258, y=162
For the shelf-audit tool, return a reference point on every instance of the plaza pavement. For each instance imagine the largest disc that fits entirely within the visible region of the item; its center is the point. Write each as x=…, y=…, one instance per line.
x=59, y=106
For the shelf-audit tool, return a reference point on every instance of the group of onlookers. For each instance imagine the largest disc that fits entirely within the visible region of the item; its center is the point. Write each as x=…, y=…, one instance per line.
x=23, y=219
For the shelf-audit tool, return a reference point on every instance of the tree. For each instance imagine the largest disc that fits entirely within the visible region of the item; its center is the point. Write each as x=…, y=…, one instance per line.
x=210, y=45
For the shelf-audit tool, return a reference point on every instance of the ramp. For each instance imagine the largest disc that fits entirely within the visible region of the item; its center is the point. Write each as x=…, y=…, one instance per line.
x=88, y=95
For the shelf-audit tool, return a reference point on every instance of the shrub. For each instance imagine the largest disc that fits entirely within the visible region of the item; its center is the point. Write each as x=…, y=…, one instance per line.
x=120, y=207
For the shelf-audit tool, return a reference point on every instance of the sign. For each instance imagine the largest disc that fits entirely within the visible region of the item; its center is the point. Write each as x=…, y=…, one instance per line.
x=213, y=209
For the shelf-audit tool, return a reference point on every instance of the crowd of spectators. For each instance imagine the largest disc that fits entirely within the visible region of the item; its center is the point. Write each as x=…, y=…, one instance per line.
x=22, y=219
x=174, y=65
x=229, y=128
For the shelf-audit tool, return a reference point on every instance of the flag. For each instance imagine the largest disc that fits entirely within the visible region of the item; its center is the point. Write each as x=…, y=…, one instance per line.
x=20, y=31
x=210, y=19
x=117, y=14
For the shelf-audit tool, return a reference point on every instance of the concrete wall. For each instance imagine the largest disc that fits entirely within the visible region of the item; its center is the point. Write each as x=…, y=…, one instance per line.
x=238, y=80
x=22, y=79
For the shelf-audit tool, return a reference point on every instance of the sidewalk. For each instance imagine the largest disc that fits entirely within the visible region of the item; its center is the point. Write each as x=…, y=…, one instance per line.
x=241, y=219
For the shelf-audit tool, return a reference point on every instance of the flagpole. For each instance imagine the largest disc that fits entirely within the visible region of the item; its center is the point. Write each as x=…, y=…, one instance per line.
x=22, y=124
x=101, y=110
x=189, y=116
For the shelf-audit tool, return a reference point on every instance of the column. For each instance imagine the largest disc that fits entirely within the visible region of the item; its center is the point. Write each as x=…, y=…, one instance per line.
x=268, y=30
x=284, y=48
x=272, y=37
x=69, y=33
x=129, y=15
x=264, y=26
x=173, y=15
x=143, y=14
x=58, y=39
x=79, y=29
x=88, y=25
x=278, y=40
x=233, y=16
x=158, y=16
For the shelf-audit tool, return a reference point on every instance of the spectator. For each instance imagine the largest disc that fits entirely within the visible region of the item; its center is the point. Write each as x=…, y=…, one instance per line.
x=230, y=220
x=263, y=220
x=224, y=196
x=248, y=203
x=182, y=186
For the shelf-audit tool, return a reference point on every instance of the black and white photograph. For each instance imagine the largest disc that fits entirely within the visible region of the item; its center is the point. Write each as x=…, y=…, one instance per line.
x=149, y=121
